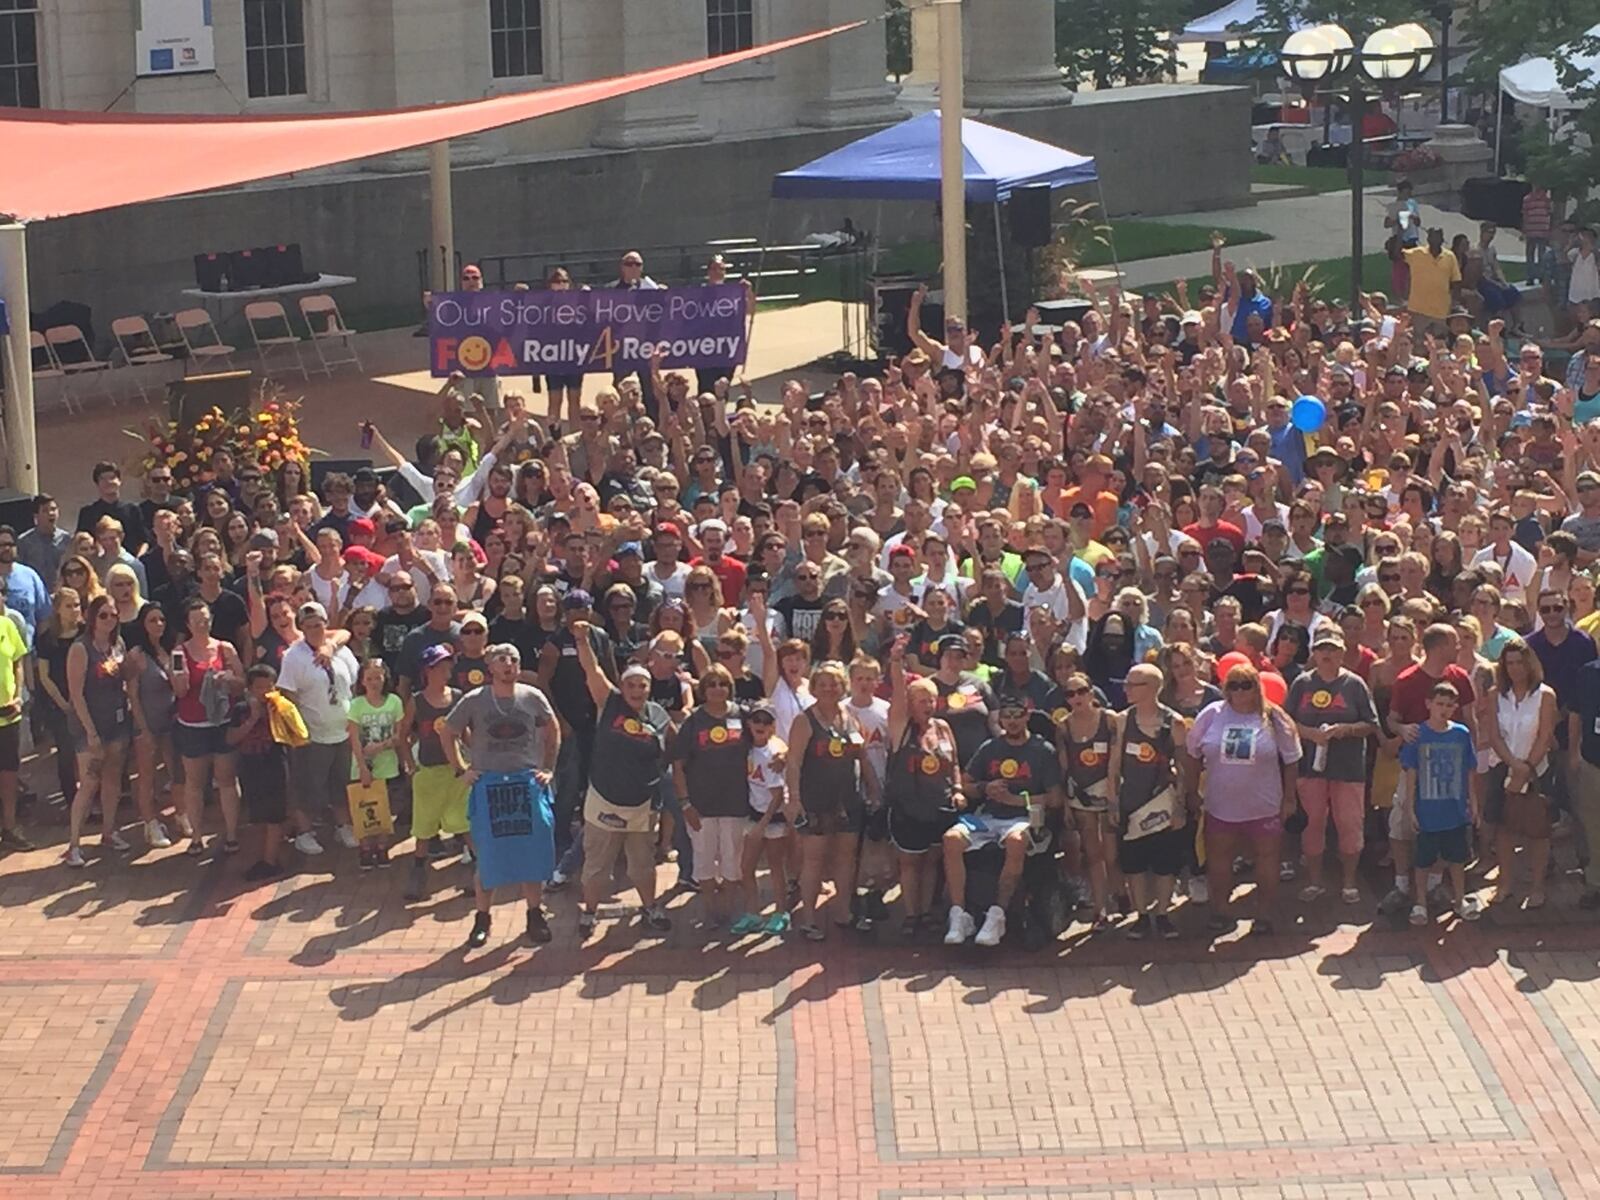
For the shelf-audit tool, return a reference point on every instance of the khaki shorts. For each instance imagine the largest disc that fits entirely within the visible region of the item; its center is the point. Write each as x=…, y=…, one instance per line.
x=1402, y=817
x=610, y=830
x=438, y=803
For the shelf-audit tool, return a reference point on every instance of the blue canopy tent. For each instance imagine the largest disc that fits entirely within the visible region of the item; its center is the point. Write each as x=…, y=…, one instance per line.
x=902, y=163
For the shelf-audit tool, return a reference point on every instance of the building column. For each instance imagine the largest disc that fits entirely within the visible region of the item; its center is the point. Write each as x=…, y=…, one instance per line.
x=1011, y=55
x=850, y=71
x=656, y=34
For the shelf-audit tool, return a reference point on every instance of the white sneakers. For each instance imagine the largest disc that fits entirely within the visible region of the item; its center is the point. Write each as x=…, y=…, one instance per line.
x=1199, y=889
x=117, y=842
x=155, y=835
x=962, y=926
x=74, y=859
x=347, y=837
x=994, y=926
x=307, y=843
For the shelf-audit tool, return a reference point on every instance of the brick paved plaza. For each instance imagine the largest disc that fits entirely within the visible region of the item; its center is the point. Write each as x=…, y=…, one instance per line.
x=166, y=1032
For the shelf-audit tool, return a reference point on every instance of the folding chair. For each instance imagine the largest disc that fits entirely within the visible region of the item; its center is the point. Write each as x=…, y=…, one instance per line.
x=329, y=333
x=76, y=357
x=269, y=315
x=139, y=348
x=201, y=340
x=45, y=366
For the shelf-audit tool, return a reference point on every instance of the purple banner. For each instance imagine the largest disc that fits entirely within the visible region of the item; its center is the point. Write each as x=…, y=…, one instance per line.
x=579, y=333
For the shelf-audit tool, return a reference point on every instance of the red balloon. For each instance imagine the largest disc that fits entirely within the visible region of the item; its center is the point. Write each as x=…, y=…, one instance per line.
x=1273, y=687
x=1229, y=661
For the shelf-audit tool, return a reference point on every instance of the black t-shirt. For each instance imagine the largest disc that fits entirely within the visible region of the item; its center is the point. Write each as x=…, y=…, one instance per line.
x=230, y=619
x=714, y=755
x=569, y=688
x=925, y=640
x=1037, y=692
x=134, y=533
x=503, y=630
x=1031, y=767
x=418, y=640
x=996, y=628
x=389, y=634
x=628, y=750
x=800, y=616
x=1256, y=595
x=965, y=706
x=468, y=673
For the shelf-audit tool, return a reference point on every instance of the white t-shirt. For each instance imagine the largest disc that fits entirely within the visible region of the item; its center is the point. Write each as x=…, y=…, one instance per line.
x=788, y=703
x=1054, y=598
x=764, y=778
x=874, y=720
x=1518, y=566
x=437, y=562
x=671, y=585
x=325, y=708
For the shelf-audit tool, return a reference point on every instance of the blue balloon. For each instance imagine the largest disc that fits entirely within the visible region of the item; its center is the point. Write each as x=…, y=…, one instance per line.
x=1308, y=414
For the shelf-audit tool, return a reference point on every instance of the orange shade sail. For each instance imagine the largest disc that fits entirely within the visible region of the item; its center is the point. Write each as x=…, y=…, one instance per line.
x=61, y=163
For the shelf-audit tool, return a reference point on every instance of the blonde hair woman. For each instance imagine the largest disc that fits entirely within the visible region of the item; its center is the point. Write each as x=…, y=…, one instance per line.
x=1249, y=749
x=828, y=774
x=1518, y=724
x=920, y=785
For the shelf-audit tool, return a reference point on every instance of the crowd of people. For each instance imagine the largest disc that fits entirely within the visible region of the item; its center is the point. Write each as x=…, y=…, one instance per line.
x=1078, y=619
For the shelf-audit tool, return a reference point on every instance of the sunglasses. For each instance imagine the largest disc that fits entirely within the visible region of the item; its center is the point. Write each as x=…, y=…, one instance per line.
x=1240, y=685
x=1552, y=609
x=1297, y=591
x=835, y=616
x=1074, y=693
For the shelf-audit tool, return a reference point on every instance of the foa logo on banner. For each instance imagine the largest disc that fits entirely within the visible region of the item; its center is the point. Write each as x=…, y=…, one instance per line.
x=482, y=333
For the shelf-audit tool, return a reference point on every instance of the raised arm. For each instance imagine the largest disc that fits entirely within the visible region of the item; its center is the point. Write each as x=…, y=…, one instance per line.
x=600, y=688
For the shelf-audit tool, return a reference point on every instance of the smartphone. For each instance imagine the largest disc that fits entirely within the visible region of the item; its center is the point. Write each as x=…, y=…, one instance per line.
x=180, y=661
x=366, y=435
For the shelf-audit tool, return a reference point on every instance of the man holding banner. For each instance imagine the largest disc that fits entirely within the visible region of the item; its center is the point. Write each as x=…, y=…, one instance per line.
x=513, y=739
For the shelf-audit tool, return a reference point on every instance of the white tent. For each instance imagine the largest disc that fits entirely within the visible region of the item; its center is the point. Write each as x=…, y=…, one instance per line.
x=1226, y=24
x=1535, y=81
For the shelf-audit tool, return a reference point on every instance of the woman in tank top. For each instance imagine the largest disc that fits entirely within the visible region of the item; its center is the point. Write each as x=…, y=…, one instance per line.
x=201, y=667
x=101, y=727
x=150, y=692
x=919, y=787
x=827, y=773
x=1083, y=742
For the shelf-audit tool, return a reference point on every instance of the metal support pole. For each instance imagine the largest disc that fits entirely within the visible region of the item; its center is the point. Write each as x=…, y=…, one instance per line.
x=952, y=174
x=1444, y=66
x=22, y=447
x=1111, y=233
x=1358, y=241
x=443, y=251
x=1000, y=260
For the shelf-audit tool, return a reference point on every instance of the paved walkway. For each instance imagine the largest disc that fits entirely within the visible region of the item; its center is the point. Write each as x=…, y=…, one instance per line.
x=1305, y=229
x=169, y=1032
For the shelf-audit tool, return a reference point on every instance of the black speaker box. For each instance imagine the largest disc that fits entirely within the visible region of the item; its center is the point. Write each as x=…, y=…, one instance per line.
x=890, y=301
x=1028, y=214
x=208, y=271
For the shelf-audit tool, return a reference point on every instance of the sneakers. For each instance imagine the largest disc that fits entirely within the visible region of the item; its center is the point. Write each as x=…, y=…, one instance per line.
x=558, y=881
x=1140, y=929
x=961, y=928
x=466, y=853
x=1312, y=892
x=994, y=926
x=13, y=839
x=117, y=842
x=417, y=883
x=346, y=837
x=1350, y=895
x=1164, y=927
x=307, y=843
x=367, y=860
x=156, y=836
x=1199, y=890
x=74, y=859
x=538, y=927
x=748, y=923
x=1469, y=908
x=586, y=920
x=656, y=921
x=480, y=931
x=1419, y=914
x=262, y=871
x=1395, y=903
x=777, y=924
x=1286, y=871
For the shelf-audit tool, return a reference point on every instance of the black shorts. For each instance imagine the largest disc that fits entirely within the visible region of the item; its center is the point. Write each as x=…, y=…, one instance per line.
x=1161, y=854
x=199, y=741
x=848, y=816
x=918, y=835
x=1452, y=846
x=569, y=383
x=11, y=746
x=264, y=787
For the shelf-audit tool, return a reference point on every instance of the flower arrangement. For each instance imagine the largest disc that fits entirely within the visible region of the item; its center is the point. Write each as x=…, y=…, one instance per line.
x=266, y=434
x=1417, y=158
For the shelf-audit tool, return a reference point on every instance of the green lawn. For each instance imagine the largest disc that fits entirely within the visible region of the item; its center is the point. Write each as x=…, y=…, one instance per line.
x=1318, y=179
x=1135, y=240
x=1332, y=275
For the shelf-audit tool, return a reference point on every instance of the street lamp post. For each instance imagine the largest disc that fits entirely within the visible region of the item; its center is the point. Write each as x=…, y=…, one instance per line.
x=1324, y=54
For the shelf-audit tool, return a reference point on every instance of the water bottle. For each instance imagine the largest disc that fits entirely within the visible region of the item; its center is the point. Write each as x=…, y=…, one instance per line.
x=1319, y=759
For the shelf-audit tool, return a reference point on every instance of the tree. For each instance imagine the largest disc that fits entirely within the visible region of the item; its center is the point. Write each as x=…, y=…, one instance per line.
x=897, y=34
x=1107, y=42
x=1567, y=159
x=1357, y=17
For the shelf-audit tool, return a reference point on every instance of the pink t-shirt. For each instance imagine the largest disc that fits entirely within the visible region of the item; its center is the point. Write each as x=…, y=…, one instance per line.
x=1243, y=756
